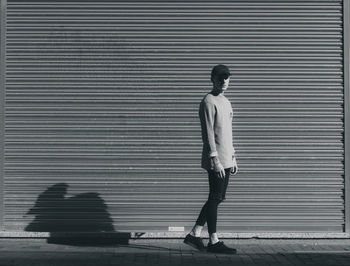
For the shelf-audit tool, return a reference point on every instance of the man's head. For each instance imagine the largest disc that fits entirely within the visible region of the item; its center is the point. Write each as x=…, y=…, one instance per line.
x=220, y=76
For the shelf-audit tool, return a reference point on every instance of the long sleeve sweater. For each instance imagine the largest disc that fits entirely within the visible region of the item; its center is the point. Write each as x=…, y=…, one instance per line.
x=215, y=113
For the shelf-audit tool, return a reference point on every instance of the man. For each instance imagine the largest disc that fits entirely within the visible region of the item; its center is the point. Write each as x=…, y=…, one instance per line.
x=218, y=158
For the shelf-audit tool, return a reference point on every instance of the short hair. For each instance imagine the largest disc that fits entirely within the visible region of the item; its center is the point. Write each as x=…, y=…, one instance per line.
x=220, y=72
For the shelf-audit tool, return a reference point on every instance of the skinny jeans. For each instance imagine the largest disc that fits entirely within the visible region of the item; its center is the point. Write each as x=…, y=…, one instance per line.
x=217, y=193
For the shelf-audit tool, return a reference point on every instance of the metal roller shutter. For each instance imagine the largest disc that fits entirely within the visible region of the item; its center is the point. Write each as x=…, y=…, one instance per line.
x=102, y=128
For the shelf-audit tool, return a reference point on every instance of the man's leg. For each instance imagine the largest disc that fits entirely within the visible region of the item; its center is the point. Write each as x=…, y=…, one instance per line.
x=201, y=220
x=219, y=191
x=208, y=214
x=193, y=238
x=212, y=213
x=217, y=194
x=209, y=210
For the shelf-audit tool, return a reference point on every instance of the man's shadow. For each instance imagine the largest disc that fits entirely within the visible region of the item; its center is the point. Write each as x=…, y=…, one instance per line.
x=79, y=220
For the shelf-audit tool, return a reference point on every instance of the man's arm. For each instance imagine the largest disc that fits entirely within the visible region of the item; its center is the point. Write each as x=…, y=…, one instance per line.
x=207, y=117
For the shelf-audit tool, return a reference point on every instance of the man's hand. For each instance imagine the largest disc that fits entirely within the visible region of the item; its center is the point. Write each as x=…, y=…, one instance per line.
x=217, y=166
x=234, y=169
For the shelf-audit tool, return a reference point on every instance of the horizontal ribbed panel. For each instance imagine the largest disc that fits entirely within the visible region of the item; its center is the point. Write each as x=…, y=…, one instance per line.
x=102, y=128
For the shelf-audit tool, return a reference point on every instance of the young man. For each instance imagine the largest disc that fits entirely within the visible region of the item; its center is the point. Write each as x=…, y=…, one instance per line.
x=218, y=158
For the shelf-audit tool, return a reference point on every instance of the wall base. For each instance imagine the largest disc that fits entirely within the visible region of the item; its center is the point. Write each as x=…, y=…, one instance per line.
x=135, y=235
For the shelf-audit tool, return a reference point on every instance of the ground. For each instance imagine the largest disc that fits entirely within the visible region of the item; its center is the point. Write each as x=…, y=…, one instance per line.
x=265, y=252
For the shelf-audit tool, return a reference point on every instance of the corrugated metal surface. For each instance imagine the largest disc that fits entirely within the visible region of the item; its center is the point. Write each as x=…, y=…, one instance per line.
x=102, y=129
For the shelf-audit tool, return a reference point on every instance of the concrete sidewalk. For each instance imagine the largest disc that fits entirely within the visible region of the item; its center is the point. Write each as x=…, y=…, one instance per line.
x=253, y=252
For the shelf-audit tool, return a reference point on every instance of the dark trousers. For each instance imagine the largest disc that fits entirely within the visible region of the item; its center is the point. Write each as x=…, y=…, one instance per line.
x=217, y=193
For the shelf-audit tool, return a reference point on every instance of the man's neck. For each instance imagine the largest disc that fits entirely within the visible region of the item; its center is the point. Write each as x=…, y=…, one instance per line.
x=217, y=92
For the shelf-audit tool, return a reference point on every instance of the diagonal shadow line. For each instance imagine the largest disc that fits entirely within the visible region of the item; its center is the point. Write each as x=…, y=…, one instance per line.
x=158, y=248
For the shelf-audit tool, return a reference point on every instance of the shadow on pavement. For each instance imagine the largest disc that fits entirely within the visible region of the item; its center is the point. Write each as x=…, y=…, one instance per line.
x=79, y=220
x=153, y=248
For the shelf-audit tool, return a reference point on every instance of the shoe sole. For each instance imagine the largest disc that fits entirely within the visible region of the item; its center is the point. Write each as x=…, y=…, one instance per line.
x=193, y=245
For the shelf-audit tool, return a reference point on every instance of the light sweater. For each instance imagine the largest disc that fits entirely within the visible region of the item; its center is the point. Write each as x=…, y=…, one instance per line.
x=215, y=113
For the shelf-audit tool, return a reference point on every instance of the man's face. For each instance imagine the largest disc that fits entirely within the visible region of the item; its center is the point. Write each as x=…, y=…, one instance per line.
x=221, y=85
x=225, y=85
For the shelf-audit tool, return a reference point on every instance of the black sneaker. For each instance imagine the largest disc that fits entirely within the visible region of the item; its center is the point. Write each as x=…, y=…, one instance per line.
x=195, y=242
x=220, y=247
